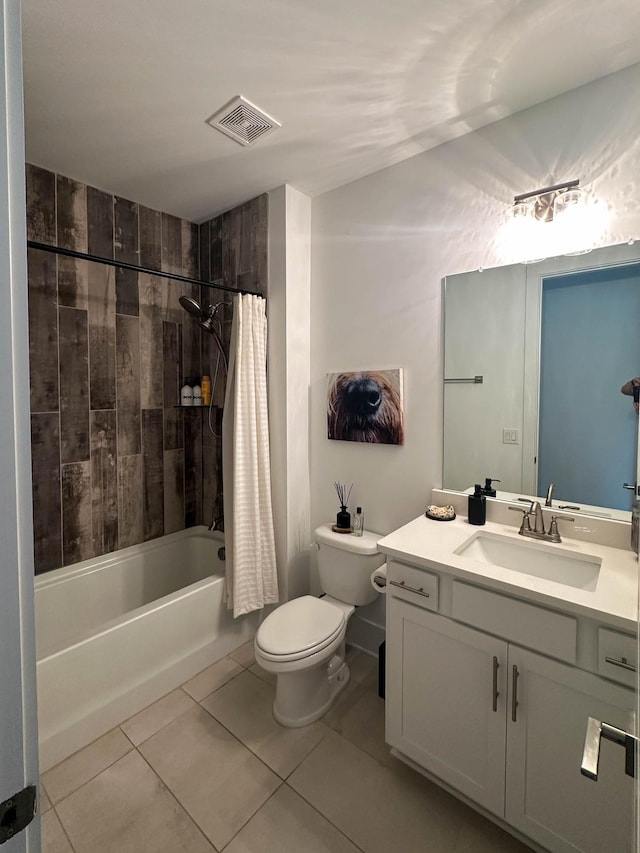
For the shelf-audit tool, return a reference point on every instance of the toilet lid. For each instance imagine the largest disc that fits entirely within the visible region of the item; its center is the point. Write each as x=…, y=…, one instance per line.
x=300, y=627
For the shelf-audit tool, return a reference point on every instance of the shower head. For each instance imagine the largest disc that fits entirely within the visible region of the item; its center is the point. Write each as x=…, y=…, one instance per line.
x=189, y=304
x=207, y=321
x=205, y=315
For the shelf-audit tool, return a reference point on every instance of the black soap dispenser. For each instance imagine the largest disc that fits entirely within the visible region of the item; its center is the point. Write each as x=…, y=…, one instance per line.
x=477, y=506
x=488, y=489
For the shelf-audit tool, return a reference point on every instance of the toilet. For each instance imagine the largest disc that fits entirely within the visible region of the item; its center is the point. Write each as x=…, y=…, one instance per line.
x=303, y=641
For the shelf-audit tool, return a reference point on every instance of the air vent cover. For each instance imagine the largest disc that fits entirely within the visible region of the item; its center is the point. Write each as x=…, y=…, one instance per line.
x=243, y=121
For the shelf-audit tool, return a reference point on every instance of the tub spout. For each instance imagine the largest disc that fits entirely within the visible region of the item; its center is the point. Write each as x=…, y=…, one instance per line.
x=217, y=523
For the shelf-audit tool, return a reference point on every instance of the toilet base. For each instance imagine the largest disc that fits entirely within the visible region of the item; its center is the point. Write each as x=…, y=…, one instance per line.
x=303, y=697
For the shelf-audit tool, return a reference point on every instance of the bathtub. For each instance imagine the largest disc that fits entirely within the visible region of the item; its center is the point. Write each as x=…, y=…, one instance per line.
x=117, y=632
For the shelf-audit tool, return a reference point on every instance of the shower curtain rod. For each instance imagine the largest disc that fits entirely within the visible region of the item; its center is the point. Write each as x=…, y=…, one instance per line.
x=84, y=256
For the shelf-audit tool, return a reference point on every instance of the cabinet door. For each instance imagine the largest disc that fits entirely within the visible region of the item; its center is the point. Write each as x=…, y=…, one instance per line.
x=440, y=700
x=547, y=797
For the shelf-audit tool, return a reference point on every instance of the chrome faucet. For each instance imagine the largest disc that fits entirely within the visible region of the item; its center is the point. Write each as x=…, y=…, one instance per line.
x=538, y=532
x=217, y=523
x=549, y=495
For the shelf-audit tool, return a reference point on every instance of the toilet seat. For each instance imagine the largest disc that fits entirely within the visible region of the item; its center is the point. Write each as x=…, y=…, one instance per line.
x=300, y=628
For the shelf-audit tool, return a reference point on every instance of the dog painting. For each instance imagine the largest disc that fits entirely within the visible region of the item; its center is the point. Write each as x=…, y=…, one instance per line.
x=366, y=406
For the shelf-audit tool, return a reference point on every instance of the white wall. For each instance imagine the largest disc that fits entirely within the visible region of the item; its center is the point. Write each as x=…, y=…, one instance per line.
x=381, y=246
x=289, y=358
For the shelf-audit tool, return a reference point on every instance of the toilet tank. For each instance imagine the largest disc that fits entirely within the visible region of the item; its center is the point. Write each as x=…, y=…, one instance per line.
x=345, y=564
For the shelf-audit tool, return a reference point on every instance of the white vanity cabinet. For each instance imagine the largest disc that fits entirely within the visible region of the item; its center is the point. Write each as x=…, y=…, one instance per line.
x=547, y=798
x=440, y=701
x=502, y=724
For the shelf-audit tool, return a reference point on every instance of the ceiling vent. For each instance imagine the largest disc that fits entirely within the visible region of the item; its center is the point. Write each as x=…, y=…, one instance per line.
x=243, y=121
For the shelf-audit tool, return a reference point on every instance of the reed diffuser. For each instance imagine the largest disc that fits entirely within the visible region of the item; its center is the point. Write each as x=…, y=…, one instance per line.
x=343, y=518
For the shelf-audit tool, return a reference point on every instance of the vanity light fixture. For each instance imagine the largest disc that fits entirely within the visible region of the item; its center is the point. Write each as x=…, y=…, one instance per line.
x=558, y=220
x=547, y=204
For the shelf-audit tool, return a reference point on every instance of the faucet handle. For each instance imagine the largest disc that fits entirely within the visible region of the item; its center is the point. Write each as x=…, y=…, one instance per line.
x=526, y=516
x=554, y=534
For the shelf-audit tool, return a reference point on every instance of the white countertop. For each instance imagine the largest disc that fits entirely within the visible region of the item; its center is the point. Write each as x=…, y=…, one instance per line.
x=431, y=544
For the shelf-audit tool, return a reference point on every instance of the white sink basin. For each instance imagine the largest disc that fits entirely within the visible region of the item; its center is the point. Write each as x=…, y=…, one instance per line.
x=539, y=559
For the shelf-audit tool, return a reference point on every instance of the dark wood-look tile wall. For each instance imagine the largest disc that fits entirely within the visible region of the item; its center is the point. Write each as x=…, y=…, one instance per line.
x=100, y=223
x=151, y=344
x=102, y=336
x=41, y=205
x=114, y=463
x=150, y=238
x=73, y=282
x=128, y=384
x=96, y=341
x=104, y=481
x=77, y=531
x=153, y=473
x=47, y=511
x=172, y=382
x=233, y=248
x=173, y=490
x=43, y=331
x=126, y=238
x=71, y=214
x=194, y=423
x=74, y=385
x=130, y=500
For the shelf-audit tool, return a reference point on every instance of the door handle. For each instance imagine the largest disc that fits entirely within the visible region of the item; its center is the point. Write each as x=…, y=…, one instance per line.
x=496, y=667
x=597, y=730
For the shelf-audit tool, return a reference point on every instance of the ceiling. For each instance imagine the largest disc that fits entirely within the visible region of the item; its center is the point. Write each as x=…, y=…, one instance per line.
x=117, y=93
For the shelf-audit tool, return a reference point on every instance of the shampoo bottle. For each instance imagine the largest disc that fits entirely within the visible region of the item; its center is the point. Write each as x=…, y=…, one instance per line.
x=205, y=386
x=197, y=393
x=477, y=506
x=186, y=394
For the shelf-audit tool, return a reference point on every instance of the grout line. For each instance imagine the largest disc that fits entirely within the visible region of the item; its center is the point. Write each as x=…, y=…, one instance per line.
x=235, y=736
x=181, y=806
x=95, y=775
x=269, y=798
x=215, y=690
x=324, y=817
x=64, y=829
x=165, y=725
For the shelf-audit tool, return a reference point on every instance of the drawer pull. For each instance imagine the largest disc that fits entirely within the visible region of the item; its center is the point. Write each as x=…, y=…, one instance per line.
x=403, y=585
x=623, y=663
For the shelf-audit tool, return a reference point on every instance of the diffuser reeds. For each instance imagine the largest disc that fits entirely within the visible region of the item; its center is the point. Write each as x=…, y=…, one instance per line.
x=343, y=495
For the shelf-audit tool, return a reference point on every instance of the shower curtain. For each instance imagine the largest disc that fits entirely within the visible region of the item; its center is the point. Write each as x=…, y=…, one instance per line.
x=251, y=579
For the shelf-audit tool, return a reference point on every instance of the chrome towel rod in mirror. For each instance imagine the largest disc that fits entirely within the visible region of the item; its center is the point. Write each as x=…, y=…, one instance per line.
x=474, y=380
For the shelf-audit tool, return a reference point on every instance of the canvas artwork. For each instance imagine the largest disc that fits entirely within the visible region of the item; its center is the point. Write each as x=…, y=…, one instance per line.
x=366, y=406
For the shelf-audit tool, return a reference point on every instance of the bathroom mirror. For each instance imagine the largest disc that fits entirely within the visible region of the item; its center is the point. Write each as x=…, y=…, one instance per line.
x=534, y=359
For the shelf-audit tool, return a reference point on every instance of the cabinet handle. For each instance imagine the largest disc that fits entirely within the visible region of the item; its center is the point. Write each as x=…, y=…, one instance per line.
x=597, y=730
x=403, y=585
x=623, y=663
x=514, y=694
x=496, y=667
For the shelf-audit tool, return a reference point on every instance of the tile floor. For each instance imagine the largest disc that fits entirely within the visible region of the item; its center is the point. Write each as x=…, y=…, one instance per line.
x=206, y=768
